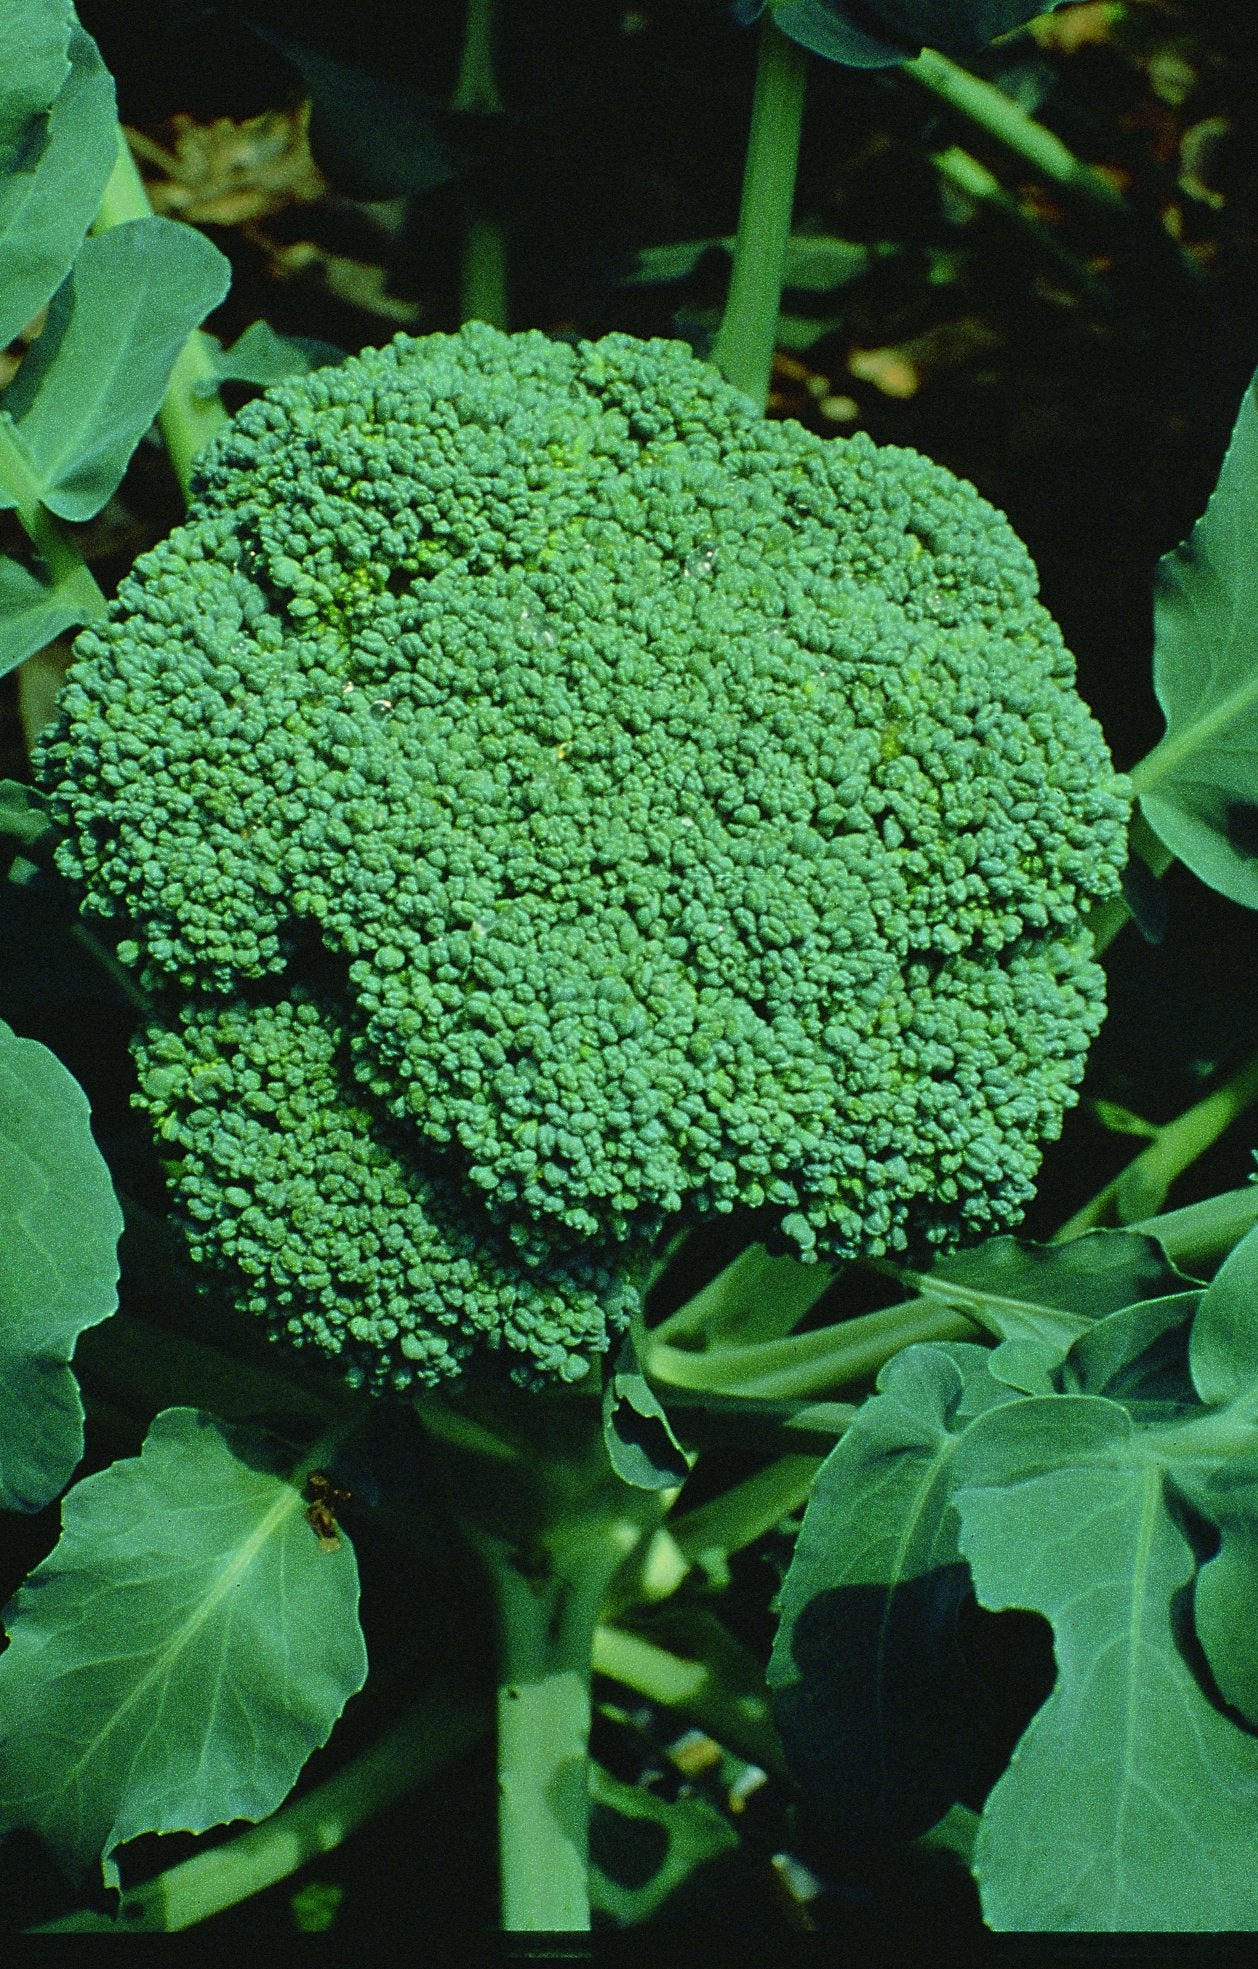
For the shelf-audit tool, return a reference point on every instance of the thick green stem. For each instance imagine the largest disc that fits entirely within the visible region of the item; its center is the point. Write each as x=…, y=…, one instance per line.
x=743, y=350
x=546, y=1640
x=192, y=411
x=529, y=1483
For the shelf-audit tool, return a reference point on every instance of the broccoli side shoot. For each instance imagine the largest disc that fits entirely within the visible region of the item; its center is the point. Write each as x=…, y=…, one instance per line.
x=673, y=812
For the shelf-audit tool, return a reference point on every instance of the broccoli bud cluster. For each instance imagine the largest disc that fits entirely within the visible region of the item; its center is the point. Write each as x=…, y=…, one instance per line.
x=638, y=810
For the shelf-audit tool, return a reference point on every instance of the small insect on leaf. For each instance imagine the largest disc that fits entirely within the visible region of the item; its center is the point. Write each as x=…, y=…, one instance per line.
x=325, y=1499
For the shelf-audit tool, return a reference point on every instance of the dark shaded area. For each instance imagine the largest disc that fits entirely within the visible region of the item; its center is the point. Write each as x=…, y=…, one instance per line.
x=1098, y=428
x=906, y=1702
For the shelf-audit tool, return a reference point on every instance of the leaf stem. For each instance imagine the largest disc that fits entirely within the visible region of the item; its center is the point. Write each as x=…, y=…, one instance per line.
x=1199, y=1235
x=755, y=1297
x=806, y=1363
x=743, y=350
x=965, y=174
x=748, y=1509
x=483, y=275
x=1139, y=1189
x=192, y=411
x=483, y=294
x=741, y=1722
x=990, y=109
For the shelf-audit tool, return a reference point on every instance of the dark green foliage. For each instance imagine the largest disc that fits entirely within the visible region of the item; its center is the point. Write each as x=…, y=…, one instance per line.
x=58, y=1266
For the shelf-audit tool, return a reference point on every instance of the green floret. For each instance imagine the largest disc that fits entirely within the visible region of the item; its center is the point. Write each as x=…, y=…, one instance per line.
x=700, y=813
x=334, y=1230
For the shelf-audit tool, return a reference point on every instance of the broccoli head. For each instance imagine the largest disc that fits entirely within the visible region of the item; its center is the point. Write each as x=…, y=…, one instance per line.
x=669, y=813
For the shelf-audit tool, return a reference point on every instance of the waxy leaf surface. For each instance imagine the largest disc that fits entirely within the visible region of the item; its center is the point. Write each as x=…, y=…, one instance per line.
x=1197, y=787
x=52, y=190
x=864, y=1667
x=177, y=1657
x=93, y=382
x=1131, y=1800
x=58, y=1267
x=36, y=35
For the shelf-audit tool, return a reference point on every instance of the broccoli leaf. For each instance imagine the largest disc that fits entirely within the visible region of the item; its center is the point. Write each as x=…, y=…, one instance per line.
x=640, y=1442
x=24, y=817
x=816, y=263
x=882, y=33
x=261, y=356
x=58, y=1267
x=1038, y=1299
x=35, y=609
x=93, y=382
x=1129, y=1803
x=1120, y=1510
x=36, y=33
x=375, y=135
x=177, y=1657
x=868, y=1695
x=1196, y=787
x=1223, y=1351
x=1138, y=1356
x=49, y=197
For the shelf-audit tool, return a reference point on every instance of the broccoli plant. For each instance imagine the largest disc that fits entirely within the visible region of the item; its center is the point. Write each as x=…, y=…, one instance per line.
x=595, y=871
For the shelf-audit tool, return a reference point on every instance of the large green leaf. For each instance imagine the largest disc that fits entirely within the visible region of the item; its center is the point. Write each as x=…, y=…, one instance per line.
x=1131, y=1802
x=869, y=1700
x=882, y=33
x=1199, y=786
x=33, y=68
x=36, y=608
x=1038, y=1299
x=92, y=383
x=1139, y=1357
x=1223, y=1351
x=50, y=196
x=58, y=1267
x=1227, y=1586
x=175, y=1660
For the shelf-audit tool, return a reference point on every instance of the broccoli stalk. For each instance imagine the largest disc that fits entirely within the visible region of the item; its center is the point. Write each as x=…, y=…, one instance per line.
x=528, y=1482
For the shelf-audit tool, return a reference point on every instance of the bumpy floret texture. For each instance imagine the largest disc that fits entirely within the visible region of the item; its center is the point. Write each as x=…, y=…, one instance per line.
x=698, y=814
x=333, y=1232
